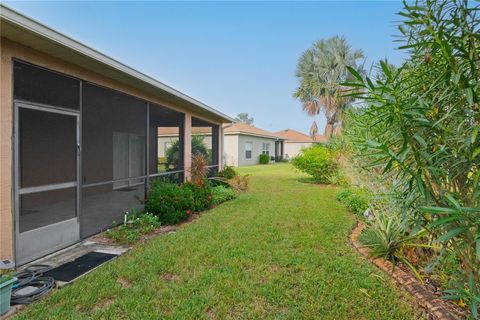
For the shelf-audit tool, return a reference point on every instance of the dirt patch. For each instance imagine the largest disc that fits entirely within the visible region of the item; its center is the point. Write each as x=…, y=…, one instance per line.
x=273, y=268
x=103, y=304
x=210, y=314
x=125, y=283
x=169, y=277
x=426, y=298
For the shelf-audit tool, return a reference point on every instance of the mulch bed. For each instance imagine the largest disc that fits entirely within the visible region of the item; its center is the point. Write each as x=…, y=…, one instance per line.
x=425, y=297
x=103, y=238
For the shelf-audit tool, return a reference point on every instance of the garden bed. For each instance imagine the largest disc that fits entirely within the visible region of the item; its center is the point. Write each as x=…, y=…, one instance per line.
x=436, y=307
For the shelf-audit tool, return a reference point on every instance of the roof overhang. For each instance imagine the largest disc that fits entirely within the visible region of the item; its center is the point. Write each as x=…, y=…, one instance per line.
x=30, y=33
x=251, y=134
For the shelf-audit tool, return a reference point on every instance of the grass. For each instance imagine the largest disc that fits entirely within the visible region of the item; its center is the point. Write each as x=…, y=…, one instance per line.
x=279, y=251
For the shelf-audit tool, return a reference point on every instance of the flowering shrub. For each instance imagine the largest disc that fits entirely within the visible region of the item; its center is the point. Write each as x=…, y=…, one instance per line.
x=202, y=194
x=169, y=202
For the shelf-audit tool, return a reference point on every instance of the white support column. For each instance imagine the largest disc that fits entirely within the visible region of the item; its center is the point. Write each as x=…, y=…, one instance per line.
x=187, y=146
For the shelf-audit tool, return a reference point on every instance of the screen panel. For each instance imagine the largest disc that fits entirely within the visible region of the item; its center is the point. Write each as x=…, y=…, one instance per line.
x=104, y=206
x=114, y=142
x=166, y=139
x=47, y=147
x=36, y=84
x=205, y=140
x=44, y=208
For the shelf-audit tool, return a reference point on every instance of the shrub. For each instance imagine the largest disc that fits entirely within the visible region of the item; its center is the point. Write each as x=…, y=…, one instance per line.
x=356, y=199
x=201, y=192
x=228, y=173
x=137, y=224
x=264, y=159
x=199, y=168
x=222, y=194
x=239, y=183
x=318, y=162
x=170, y=202
x=420, y=124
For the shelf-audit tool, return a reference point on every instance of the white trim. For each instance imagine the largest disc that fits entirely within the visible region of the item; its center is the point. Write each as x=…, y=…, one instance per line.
x=232, y=133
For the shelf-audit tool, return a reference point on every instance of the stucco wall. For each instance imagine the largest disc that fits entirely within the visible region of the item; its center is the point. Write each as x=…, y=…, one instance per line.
x=292, y=149
x=256, y=149
x=230, y=150
x=10, y=50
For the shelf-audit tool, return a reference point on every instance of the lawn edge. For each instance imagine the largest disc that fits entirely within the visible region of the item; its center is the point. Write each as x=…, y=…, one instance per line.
x=437, y=308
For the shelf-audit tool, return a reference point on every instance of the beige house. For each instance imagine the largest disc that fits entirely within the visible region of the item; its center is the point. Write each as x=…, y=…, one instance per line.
x=295, y=141
x=79, y=140
x=243, y=145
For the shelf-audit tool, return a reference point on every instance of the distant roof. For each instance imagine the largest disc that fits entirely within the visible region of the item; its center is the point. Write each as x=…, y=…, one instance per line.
x=296, y=136
x=173, y=131
x=243, y=128
x=28, y=32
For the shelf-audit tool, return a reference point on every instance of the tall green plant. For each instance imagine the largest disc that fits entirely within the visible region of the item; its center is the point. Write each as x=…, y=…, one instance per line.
x=321, y=71
x=421, y=126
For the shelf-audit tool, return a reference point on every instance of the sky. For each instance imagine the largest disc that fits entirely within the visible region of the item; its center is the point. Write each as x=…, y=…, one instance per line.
x=233, y=56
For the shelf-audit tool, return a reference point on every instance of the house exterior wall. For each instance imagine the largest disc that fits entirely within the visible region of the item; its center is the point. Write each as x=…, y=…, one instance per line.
x=230, y=150
x=256, y=149
x=292, y=149
x=10, y=50
x=162, y=142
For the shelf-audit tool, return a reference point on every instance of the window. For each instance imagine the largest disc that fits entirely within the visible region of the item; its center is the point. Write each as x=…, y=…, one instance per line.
x=248, y=150
x=266, y=148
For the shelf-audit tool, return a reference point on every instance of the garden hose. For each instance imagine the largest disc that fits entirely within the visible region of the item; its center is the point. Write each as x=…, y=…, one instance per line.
x=33, y=278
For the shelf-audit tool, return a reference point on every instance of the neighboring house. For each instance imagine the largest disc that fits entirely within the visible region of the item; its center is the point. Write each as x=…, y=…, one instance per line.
x=243, y=145
x=79, y=140
x=295, y=141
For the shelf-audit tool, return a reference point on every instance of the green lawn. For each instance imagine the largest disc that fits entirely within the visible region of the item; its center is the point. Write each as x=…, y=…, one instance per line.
x=279, y=251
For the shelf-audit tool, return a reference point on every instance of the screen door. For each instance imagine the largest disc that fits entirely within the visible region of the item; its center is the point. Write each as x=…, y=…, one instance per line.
x=46, y=184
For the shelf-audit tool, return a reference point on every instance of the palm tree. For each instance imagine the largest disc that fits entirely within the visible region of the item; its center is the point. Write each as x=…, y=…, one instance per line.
x=321, y=71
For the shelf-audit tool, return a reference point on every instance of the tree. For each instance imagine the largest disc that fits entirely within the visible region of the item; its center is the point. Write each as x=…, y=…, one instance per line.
x=173, y=153
x=321, y=71
x=244, y=118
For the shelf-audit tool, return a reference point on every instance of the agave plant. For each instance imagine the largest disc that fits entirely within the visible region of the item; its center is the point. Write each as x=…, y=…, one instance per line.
x=389, y=235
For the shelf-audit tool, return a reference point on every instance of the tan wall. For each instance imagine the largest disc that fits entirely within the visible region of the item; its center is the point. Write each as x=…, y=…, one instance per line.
x=6, y=217
x=10, y=50
x=292, y=149
x=230, y=150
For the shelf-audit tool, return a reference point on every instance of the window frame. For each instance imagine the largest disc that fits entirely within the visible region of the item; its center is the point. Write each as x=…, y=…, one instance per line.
x=250, y=143
x=266, y=150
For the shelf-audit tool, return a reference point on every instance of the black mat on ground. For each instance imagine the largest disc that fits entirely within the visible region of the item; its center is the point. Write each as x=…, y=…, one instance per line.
x=73, y=269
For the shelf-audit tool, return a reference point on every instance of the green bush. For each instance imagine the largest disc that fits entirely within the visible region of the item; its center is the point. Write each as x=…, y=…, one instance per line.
x=318, y=162
x=222, y=194
x=201, y=192
x=356, y=199
x=170, y=202
x=228, y=173
x=137, y=224
x=264, y=159
x=420, y=123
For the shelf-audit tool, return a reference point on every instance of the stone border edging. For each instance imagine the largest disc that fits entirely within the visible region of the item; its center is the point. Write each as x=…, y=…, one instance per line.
x=436, y=307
